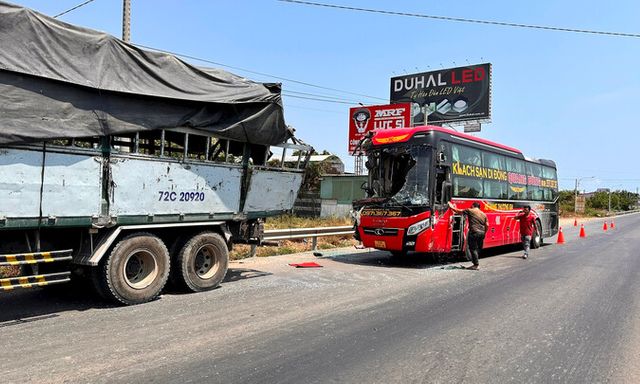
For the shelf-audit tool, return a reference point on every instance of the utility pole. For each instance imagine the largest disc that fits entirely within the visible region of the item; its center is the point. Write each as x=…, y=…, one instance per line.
x=575, y=198
x=126, y=21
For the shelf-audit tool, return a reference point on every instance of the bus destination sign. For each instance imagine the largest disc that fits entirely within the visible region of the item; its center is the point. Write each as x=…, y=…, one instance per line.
x=454, y=94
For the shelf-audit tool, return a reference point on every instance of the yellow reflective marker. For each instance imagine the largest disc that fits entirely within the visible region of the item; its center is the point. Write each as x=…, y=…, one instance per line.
x=12, y=260
x=5, y=284
x=47, y=257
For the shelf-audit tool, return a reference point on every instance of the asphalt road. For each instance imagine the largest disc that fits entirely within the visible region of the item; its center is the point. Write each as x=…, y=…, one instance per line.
x=569, y=314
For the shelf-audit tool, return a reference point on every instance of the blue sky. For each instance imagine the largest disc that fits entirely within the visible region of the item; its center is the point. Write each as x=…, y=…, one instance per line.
x=563, y=96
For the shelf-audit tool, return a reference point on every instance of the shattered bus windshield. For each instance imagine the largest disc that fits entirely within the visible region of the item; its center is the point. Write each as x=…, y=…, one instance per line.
x=400, y=174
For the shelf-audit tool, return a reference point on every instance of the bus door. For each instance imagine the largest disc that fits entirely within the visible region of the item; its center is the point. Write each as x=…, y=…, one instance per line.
x=511, y=230
x=457, y=233
x=494, y=236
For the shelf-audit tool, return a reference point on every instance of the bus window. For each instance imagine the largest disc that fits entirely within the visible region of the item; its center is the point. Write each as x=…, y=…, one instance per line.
x=495, y=189
x=534, y=170
x=517, y=192
x=517, y=179
x=465, y=155
x=549, y=194
x=549, y=173
x=535, y=193
x=467, y=187
x=515, y=165
x=492, y=160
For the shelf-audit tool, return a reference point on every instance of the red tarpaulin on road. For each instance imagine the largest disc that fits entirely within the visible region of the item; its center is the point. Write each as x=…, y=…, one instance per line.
x=306, y=265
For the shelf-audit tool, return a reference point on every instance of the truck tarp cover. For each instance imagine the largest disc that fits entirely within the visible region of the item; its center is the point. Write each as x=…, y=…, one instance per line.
x=62, y=81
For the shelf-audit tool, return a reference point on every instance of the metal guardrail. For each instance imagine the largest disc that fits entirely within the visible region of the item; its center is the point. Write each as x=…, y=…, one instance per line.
x=297, y=233
x=622, y=213
x=301, y=233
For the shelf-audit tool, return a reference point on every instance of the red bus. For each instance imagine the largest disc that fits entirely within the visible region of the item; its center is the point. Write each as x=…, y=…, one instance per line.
x=415, y=172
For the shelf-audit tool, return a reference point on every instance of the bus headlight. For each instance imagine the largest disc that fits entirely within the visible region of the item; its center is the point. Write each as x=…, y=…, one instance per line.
x=419, y=227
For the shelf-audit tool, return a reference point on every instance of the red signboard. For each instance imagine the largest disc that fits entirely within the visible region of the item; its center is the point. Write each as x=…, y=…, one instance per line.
x=365, y=119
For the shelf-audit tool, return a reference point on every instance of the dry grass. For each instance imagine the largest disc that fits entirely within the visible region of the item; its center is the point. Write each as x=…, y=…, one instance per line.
x=9, y=271
x=284, y=247
x=288, y=221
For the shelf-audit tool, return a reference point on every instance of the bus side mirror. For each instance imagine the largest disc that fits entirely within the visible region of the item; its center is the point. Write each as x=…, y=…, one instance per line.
x=366, y=188
x=441, y=157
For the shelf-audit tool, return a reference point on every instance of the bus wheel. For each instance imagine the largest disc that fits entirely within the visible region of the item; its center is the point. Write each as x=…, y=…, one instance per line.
x=537, y=240
x=136, y=270
x=202, y=262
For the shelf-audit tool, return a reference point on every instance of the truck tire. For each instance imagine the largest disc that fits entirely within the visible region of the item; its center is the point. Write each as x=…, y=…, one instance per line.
x=136, y=270
x=174, y=250
x=536, y=239
x=202, y=262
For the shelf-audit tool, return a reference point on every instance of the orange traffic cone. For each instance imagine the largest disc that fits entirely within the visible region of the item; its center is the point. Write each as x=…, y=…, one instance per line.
x=582, y=233
x=612, y=224
x=575, y=222
x=604, y=226
x=560, y=237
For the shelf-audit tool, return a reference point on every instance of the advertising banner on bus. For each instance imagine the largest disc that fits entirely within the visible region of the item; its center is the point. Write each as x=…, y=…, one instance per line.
x=367, y=118
x=454, y=94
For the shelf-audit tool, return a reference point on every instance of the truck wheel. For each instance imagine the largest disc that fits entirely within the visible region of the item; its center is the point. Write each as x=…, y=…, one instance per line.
x=136, y=270
x=202, y=262
x=536, y=240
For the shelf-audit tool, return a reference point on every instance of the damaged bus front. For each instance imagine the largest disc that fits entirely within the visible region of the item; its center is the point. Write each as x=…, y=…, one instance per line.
x=397, y=211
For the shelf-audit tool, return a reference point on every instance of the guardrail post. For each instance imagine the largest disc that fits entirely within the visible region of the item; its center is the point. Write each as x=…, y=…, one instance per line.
x=314, y=243
x=253, y=250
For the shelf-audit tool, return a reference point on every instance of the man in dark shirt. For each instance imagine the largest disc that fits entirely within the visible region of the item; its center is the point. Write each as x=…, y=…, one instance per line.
x=527, y=227
x=478, y=226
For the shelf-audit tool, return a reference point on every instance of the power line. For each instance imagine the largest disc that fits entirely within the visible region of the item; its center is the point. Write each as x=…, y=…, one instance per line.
x=465, y=20
x=258, y=73
x=72, y=9
x=323, y=96
x=284, y=93
x=341, y=112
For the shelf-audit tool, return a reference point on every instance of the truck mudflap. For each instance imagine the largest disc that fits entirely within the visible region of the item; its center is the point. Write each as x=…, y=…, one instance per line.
x=33, y=259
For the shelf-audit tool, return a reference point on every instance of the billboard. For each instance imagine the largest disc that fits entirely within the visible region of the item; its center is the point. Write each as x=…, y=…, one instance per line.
x=454, y=94
x=367, y=118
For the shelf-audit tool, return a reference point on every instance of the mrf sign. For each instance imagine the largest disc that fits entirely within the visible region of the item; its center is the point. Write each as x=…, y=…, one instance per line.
x=365, y=119
x=454, y=94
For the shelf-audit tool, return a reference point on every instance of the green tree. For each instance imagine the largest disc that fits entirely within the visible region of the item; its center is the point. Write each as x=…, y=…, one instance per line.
x=312, y=175
x=620, y=200
x=566, y=199
x=600, y=200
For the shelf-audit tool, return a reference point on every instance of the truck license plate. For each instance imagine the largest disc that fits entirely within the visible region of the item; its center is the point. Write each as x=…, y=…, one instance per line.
x=380, y=244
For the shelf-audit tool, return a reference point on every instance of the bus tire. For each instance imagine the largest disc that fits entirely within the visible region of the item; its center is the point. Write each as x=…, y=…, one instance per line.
x=136, y=270
x=202, y=263
x=536, y=240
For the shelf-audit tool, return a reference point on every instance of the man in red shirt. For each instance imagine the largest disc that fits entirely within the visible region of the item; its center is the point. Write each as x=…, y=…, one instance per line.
x=527, y=227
